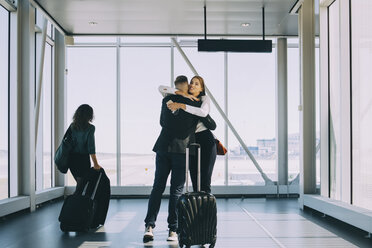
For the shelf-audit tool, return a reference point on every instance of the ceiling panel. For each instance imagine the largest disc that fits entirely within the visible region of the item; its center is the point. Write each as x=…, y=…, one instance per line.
x=172, y=17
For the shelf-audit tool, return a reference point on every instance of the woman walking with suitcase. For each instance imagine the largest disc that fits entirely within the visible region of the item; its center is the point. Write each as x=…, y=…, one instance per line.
x=87, y=207
x=82, y=132
x=203, y=135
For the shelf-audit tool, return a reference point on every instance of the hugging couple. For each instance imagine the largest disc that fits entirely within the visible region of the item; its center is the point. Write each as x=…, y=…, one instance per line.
x=184, y=120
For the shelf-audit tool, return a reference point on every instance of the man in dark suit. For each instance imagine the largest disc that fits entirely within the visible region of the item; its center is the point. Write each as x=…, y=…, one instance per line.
x=178, y=131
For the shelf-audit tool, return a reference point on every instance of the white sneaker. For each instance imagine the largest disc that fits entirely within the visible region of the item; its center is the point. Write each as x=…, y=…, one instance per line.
x=149, y=235
x=172, y=236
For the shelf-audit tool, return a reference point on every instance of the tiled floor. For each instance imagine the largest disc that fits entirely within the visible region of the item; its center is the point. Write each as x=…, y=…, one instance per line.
x=252, y=222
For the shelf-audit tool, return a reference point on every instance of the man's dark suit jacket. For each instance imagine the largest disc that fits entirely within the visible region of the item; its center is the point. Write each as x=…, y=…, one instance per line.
x=178, y=130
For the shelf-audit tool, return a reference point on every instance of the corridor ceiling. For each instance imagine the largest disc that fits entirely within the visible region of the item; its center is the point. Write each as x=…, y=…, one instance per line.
x=172, y=17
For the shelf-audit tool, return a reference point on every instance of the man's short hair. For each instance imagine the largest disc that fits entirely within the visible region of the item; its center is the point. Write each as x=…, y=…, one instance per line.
x=180, y=79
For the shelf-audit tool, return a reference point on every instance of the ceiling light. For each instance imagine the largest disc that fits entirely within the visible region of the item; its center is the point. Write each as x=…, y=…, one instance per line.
x=92, y=23
x=246, y=24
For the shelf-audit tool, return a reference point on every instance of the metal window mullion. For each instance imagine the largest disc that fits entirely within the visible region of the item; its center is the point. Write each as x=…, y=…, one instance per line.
x=52, y=175
x=172, y=64
x=90, y=45
x=351, y=102
x=226, y=106
x=328, y=107
x=8, y=105
x=118, y=114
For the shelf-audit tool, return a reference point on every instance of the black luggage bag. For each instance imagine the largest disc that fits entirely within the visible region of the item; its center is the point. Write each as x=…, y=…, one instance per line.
x=102, y=196
x=87, y=207
x=197, y=213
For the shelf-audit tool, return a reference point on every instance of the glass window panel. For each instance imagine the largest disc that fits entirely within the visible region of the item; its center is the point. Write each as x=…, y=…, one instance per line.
x=293, y=114
x=49, y=29
x=39, y=144
x=361, y=102
x=47, y=117
x=38, y=18
x=142, y=71
x=210, y=66
x=44, y=166
x=241, y=169
x=335, y=101
x=317, y=103
x=4, y=97
x=252, y=112
x=91, y=80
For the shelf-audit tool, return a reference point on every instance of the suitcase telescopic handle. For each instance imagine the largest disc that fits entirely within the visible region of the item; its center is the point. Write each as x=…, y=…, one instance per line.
x=85, y=189
x=95, y=188
x=188, y=163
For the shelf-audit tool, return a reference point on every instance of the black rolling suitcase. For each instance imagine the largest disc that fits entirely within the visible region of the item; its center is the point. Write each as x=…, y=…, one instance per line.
x=197, y=213
x=79, y=210
x=102, y=196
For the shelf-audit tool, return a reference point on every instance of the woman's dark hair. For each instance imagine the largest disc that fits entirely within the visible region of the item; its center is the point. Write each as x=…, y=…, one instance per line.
x=83, y=115
x=201, y=81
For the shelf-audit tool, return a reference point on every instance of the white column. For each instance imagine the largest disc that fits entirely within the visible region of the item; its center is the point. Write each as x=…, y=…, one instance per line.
x=59, y=98
x=281, y=111
x=26, y=100
x=307, y=101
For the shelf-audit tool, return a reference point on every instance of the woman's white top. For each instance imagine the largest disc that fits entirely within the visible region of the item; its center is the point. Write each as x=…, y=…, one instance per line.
x=201, y=111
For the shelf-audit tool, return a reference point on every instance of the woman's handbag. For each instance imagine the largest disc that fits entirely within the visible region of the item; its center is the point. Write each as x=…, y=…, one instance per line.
x=221, y=150
x=61, y=157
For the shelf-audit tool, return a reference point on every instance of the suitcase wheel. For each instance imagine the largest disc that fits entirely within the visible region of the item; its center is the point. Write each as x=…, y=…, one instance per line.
x=181, y=245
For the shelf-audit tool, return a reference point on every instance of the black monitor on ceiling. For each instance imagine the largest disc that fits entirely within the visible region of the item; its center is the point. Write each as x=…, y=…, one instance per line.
x=242, y=46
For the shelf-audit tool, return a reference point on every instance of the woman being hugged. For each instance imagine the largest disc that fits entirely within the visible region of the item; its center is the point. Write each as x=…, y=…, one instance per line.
x=82, y=132
x=203, y=135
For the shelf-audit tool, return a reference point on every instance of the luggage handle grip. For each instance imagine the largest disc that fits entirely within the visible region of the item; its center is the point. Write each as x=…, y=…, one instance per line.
x=85, y=189
x=95, y=188
x=187, y=166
